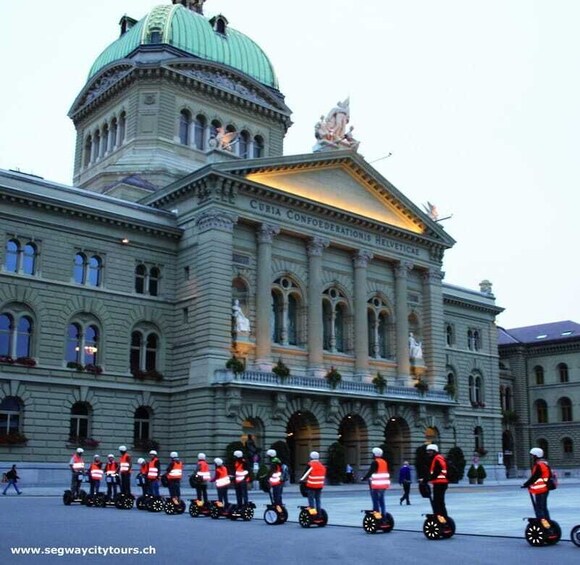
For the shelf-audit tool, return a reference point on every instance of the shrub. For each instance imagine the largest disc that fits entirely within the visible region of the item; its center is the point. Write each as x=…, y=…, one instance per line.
x=235, y=365
x=456, y=465
x=380, y=383
x=333, y=377
x=281, y=370
x=422, y=386
x=481, y=474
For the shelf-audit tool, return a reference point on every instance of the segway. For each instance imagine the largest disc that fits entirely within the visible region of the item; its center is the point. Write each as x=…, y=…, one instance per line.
x=172, y=507
x=541, y=531
x=436, y=526
x=374, y=522
x=310, y=517
x=218, y=509
x=274, y=514
x=575, y=535
x=97, y=500
x=199, y=508
x=69, y=497
x=245, y=511
x=124, y=501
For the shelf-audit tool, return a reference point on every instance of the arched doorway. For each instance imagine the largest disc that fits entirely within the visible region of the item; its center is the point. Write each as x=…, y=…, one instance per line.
x=302, y=436
x=253, y=437
x=352, y=434
x=398, y=443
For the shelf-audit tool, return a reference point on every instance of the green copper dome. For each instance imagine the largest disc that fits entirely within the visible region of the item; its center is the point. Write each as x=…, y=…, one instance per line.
x=193, y=33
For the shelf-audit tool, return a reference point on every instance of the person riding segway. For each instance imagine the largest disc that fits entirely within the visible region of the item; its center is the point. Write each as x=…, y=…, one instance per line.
x=273, y=484
x=174, y=473
x=77, y=467
x=315, y=474
x=200, y=506
x=244, y=508
x=378, y=519
x=94, y=497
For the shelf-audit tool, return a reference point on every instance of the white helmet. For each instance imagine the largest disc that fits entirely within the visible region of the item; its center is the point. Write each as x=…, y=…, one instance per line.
x=218, y=461
x=174, y=455
x=314, y=455
x=122, y=448
x=111, y=456
x=201, y=456
x=432, y=447
x=80, y=450
x=96, y=456
x=153, y=452
x=271, y=453
x=377, y=452
x=140, y=460
x=537, y=452
x=238, y=453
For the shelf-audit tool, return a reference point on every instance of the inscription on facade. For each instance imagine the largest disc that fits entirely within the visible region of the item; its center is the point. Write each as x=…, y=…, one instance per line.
x=328, y=226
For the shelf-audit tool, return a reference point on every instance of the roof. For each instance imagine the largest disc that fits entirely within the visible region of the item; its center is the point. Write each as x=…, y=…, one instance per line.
x=541, y=333
x=194, y=34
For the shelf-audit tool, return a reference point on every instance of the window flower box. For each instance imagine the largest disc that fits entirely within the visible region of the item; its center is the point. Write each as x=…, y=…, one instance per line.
x=26, y=361
x=333, y=377
x=152, y=374
x=76, y=366
x=6, y=359
x=88, y=442
x=13, y=438
x=95, y=369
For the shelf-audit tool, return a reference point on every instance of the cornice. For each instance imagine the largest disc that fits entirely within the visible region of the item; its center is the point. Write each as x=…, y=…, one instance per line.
x=472, y=304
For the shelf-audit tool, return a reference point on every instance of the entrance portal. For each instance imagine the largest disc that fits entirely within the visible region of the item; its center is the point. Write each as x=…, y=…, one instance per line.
x=302, y=437
x=353, y=435
x=398, y=443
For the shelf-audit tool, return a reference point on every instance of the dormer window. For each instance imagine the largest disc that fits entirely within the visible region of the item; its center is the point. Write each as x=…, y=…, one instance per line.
x=219, y=24
x=155, y=36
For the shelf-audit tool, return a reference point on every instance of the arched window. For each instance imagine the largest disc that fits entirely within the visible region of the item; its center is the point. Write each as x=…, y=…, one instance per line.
x=379, y=328
x=21, y=257
x=476, y=340
x=334, y=311
x=96, y=146
x=244, y=144
x=142, y=424
x=10, y=415
x=563, y=372
x=199, y=132
x=258, y=147
x=565, y=405
x=140, y=275
x=451, y=386
x=94, y=266
x=12, y=255
x=144, y=354
x=184, y=127
x=476, y=395
x=567, y=448
x=122, y=127
x=478, y=439
x=286, y=305
x=154, y=277
x=114, y=130
x=469, y=339
x=541, y=412
x=29, y=254
x=539, y=374
x=82, y=347
x=147, y=279
x=509, y=405
x=105, y=140
x=87, y=155
x=79, y=421
x=543, y=445
x=449, y=335
x=88, y=270
x=16, y=332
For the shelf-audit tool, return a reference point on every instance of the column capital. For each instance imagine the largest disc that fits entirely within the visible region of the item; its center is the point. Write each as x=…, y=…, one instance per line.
x=316, y=246
x=361, y=258
x=402, y=269
x=266, y=233
x=216, y=219
x=433, y=276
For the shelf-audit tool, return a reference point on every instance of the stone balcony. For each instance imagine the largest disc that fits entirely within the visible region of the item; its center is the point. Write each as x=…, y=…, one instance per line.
x=320, y=386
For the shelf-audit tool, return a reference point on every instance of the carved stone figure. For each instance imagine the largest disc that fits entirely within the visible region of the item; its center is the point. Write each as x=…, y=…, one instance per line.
x=331, y=131
x=415, y=347
x=223, y=139
x=241, y=323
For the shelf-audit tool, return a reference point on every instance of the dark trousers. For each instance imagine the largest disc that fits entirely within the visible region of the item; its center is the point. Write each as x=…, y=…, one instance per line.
x=75, y=483
x=111, y=487
x=242, y=493
x=378, y=498
x=406, y=491
x=223, y=496
x=174, y=488
x=314, y=498
x=438, y=502
x=201, y=491
x=95, y=486
x=125, y=483
x=541, y=506
x=277, y=495
x=153, y=487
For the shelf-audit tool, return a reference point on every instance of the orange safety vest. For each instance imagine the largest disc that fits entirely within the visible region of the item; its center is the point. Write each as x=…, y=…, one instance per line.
x=78, y=464
x=176, y=471
x=441, y=478
x=222, y=479
x=203, y=470
x=96, y=471
x=125, y=463
x=111, y=468
x=540, y=486
x=276, y=477
x=153, y=469
x=144, y=469
x=381, y=479
x=241, y=471
x=315, y=478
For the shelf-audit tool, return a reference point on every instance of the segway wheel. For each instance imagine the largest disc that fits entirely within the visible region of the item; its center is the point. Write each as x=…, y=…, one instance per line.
x=120, y=502
x=180, y=508
x=214, y=512
x=128, y=502
x=323, y=518
x=100, y=500
x=193, y=509
x=369, y=524
x=448, y=529
x=169, y=507
x=432, y=529
x=67, y=498
x=389, y=523
x=283, y=517
x=247, y=513
x=554, y=533
x=89, y=501
x=271, y=517
x=83, y=496
x=156, y=505
x=575, y=535
x=304, y=518
x=535, y=534
x=141, y=503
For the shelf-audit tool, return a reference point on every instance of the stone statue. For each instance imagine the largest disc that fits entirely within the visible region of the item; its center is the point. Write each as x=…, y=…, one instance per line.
x=415, y=347
x=241, y=323
x=331, y=131
x=223, y=139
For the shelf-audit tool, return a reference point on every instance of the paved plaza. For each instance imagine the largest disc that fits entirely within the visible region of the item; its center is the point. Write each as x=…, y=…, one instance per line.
x=489, y=530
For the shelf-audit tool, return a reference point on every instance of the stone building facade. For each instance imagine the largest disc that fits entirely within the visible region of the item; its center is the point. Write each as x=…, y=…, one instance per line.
x=116, y=295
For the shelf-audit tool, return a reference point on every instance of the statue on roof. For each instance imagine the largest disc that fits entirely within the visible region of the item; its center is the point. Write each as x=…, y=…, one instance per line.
x=223, y=139
x=195, y=5
x=331, y=131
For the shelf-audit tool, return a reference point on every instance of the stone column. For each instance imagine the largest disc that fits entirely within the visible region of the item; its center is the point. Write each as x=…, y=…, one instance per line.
x=433, y=332
x=361, y=335
x=314, y=249
x=266, y=233
x=402, y=321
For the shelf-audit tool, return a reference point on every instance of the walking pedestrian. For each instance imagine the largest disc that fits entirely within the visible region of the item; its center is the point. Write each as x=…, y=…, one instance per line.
x=13, y=479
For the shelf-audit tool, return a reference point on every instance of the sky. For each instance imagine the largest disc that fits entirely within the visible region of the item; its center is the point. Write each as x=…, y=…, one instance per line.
x=477, y=102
